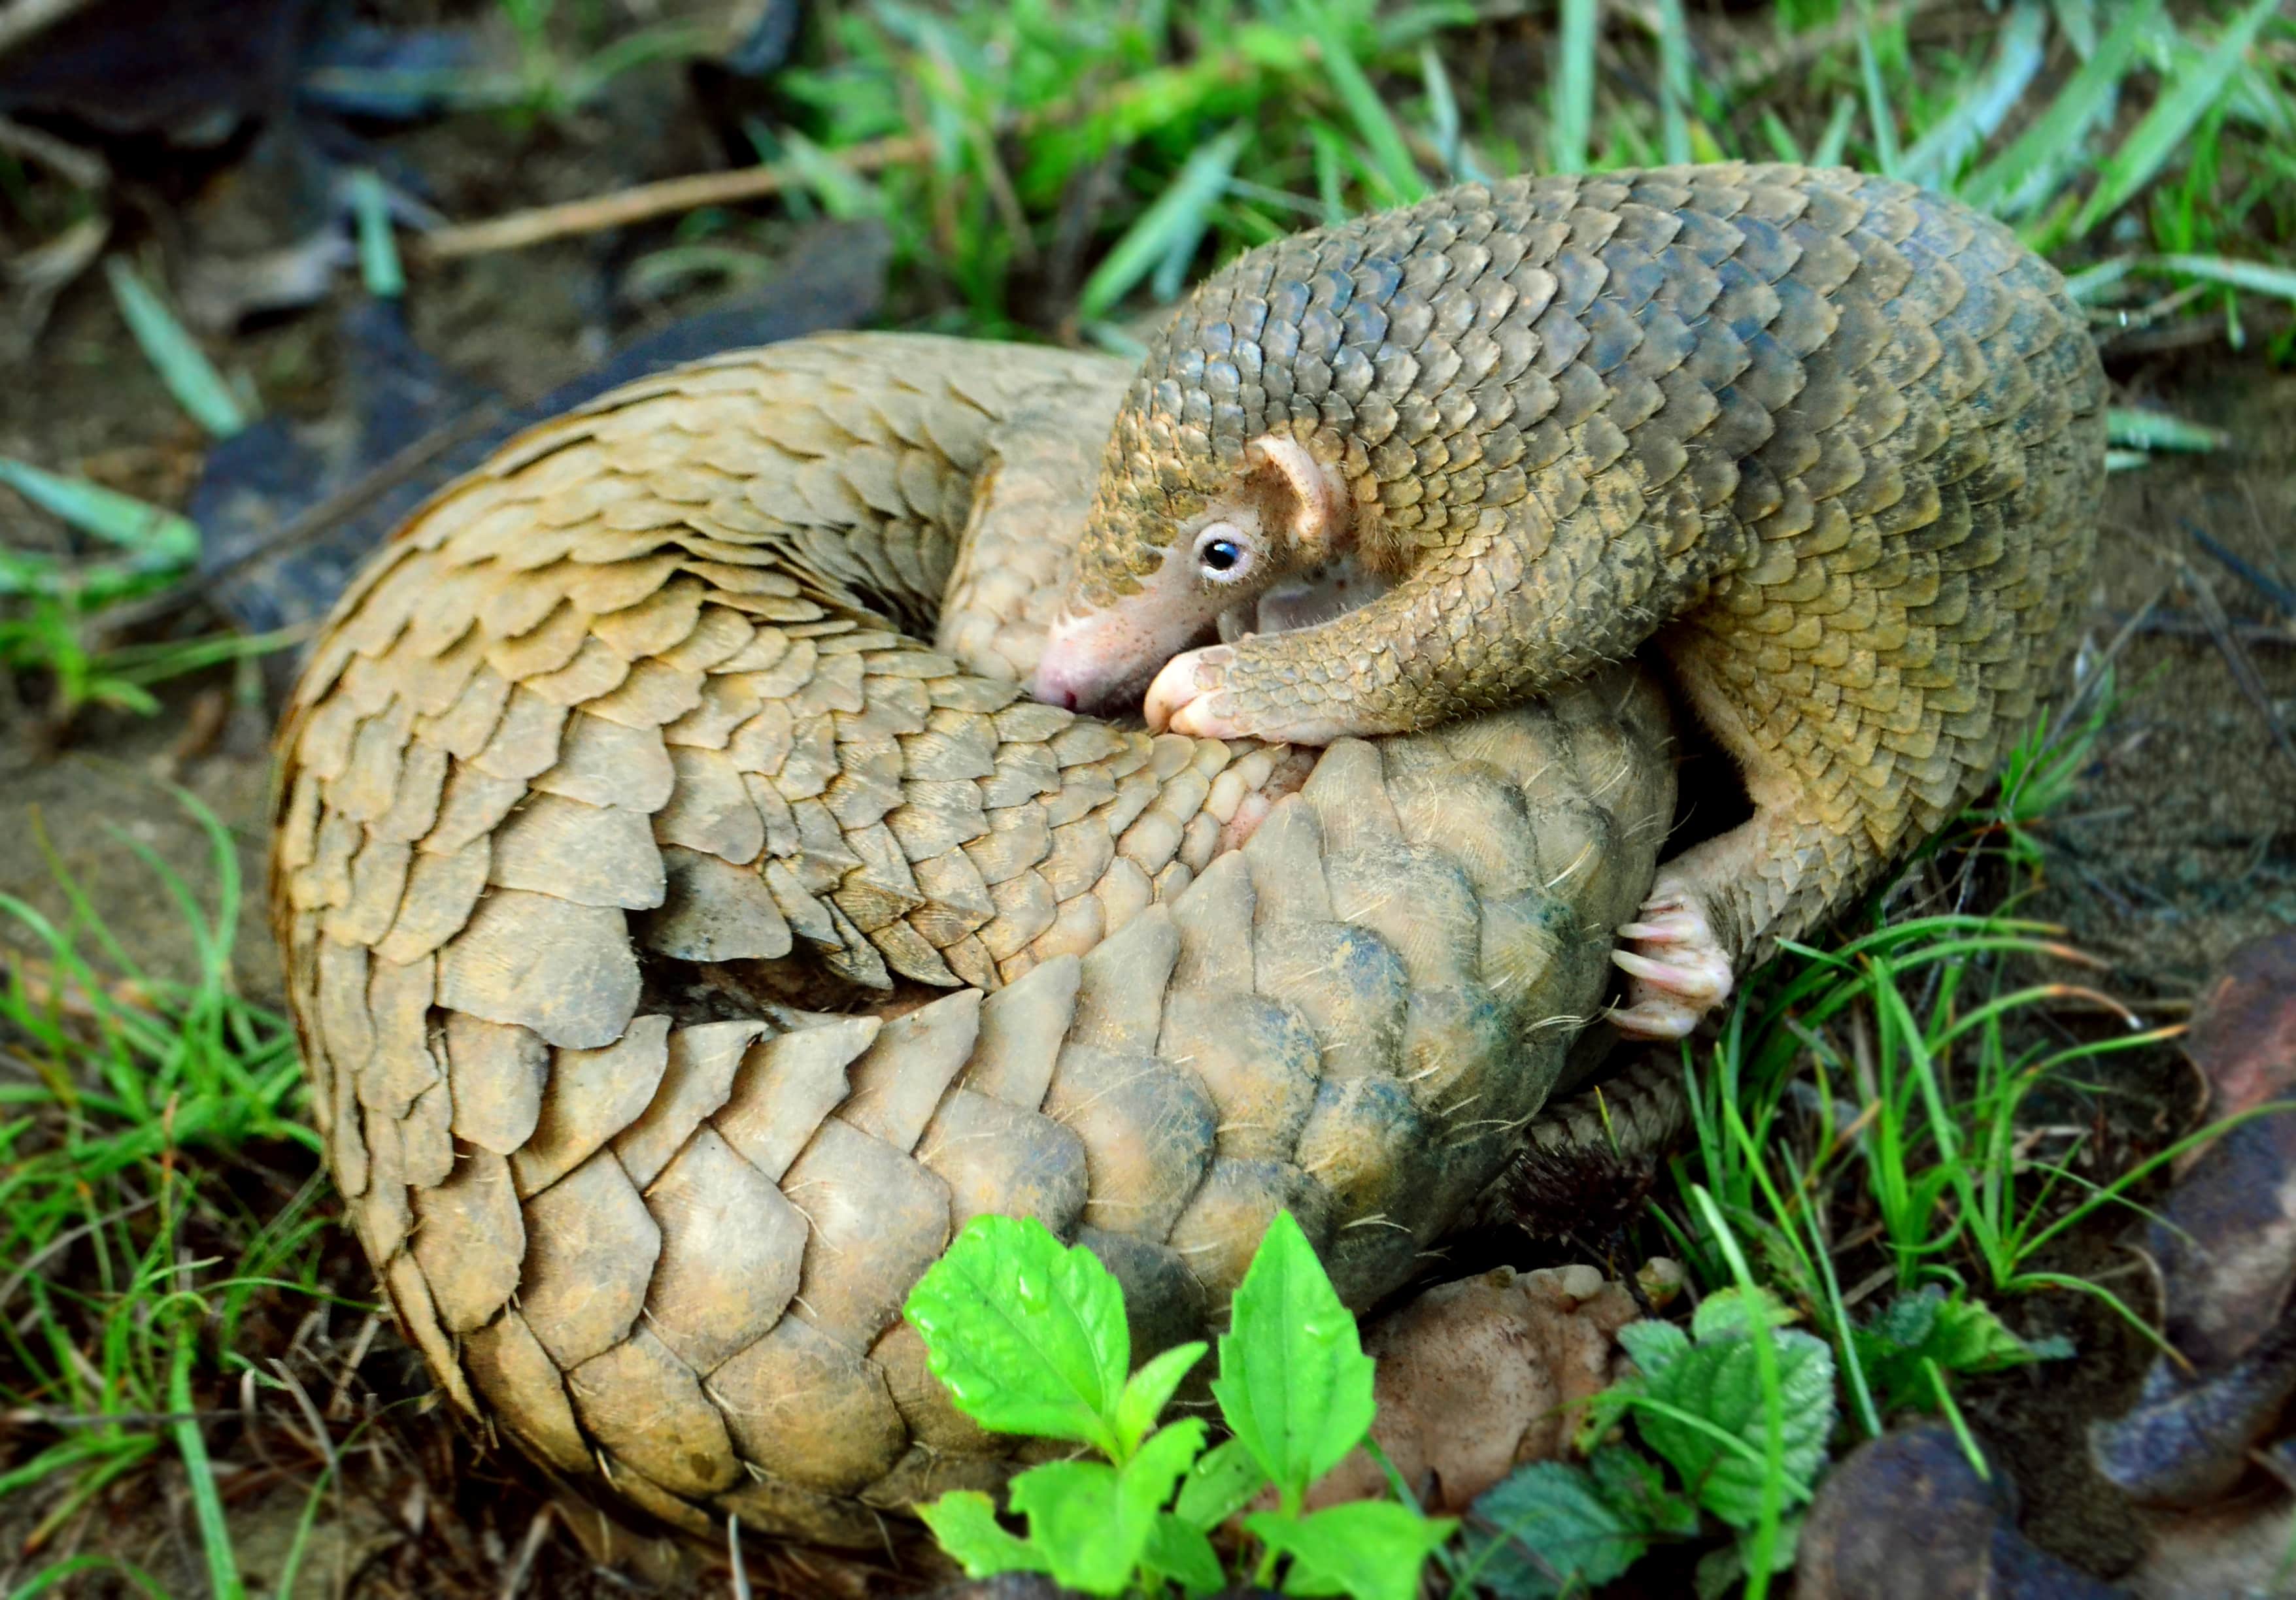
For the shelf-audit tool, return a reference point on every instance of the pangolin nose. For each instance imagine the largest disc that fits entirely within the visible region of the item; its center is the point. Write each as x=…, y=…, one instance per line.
x=1055, y=687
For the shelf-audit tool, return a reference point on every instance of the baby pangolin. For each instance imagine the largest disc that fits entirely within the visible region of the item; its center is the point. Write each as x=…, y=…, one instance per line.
x=1833, y=442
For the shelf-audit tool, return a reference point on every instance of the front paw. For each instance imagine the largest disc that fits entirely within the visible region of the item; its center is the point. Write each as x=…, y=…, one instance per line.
x=1190, y=697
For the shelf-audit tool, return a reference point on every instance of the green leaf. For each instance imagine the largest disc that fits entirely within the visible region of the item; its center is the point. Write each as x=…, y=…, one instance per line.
x=1718, y=1384
x=2261, y=276
x=182, y=365
x=964, y=1523
x=1367, y=1549
x=1634, y=1484
x=1955, y=1334
x=1726, y=1312
x=2135, y=429
x=1150, y=1389
x=1180, y=1554
x=2187, y=96
x=1654, y=1345
x=1092, y=1521
x=1220, y=1484
x=1294, y=1383
x=1559, y=1533
x=1029, y=1337
x=1719, y=1571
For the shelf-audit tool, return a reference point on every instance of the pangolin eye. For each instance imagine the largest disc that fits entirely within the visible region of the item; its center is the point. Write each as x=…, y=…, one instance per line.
x=1221, y=552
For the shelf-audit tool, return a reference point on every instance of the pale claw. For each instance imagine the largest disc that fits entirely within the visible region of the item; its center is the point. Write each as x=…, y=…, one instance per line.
x=1679, y=975
x=1181, y=700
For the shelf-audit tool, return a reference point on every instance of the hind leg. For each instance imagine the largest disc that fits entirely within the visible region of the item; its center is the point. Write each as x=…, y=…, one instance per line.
x=1826, y=815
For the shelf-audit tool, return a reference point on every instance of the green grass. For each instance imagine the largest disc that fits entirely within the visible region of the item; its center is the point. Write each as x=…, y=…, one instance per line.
x=1891, y=1086
x=133, y=1110
x=1331, y=107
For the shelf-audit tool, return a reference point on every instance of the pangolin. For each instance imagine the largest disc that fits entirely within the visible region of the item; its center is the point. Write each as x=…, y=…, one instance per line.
x=1834, y=443
x=631, y=733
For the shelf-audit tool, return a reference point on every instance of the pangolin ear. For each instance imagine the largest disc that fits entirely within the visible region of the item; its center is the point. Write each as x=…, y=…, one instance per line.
x=1317, y=495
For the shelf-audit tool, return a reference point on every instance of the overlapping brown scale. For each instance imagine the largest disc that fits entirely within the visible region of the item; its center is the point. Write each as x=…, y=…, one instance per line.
x=669, y=1246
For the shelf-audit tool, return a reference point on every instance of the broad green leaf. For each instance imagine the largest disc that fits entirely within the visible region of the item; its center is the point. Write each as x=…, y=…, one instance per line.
x=1637, y=1486
x=1367, y=1549
x=1955, y=1333
x=2187, y=96
x=1180, y=1554
x=1029, y=1337
x=1559, y=1532
x=1725, y=1312
x=1149, y=1390
x=1220, y=1484
x=1294, y=1383
x=1093, y=1521
x=964, y=1523
x=1719, y=1383
x=182, y=365
x=1652, y=1345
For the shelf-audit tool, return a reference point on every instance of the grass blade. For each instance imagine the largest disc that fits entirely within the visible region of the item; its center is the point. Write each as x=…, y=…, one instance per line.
x=1180, y=210
x=1831, y=142
x=1390, y=155
x=156, y=534
x=2279, y=281
x=1877, y=107
x=207, y=1504
x=1938, y=154
x=1673, y=81
x=2157, y=430
x=1571, y=110
x=2021, y=177
x=1442, y=106
x=2184, y=101
x=182, y=365
x=379, y=264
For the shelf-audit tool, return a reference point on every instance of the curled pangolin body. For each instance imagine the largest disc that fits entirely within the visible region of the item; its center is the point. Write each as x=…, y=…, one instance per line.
x=626, y=733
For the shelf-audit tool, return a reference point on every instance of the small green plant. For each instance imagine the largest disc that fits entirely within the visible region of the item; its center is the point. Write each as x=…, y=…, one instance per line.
x=1031, y=1338
x=1922, y=1335
x=1719, y=1436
